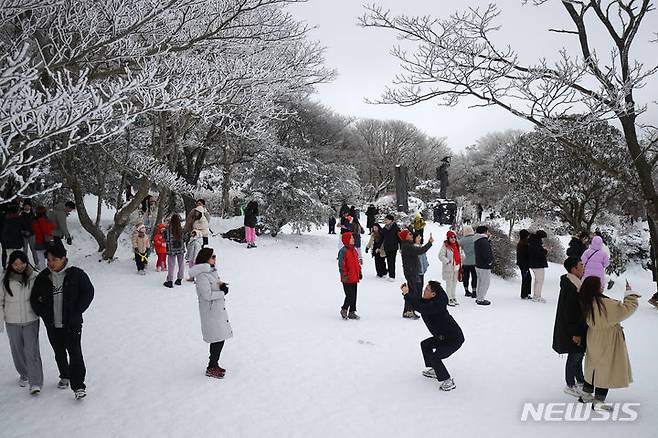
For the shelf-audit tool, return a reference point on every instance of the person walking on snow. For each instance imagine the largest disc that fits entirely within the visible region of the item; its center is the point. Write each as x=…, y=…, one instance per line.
x=141, y=247
x=250, y=220
x=450, y=255
x=215, y=326
x=349, y=270
x=606, y=358
x=537, y=263
x=523, y=263
x=160, y=244
x=411, y=267
x=29, y=242
x=60, y=295
x=570, y=328
x=467, y=243
x=43, y=236
x=484, y=260
x=390, y=244
x=59, y=217
x=447, y=337
x=21, y=321
x=596, y=259
x=175, y=251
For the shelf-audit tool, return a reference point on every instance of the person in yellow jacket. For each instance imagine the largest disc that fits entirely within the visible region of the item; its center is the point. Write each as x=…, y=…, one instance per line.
x=606, y=359
x=418, y=223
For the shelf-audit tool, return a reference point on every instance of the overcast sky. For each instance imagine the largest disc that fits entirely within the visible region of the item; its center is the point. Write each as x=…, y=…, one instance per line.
x=364, y=64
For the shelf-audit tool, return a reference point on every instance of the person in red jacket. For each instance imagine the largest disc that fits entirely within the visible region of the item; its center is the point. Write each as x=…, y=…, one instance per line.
x=160, y=244
x=42, y=229
x=349, y=270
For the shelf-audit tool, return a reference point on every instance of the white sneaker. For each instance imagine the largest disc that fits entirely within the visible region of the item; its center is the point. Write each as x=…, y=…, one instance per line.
x=573, y=391
x=35, y=390
x=538, y=300
x=429, y=372
x=599, y=406
x=391, y=279
x=22, y=381
x=80, y=394
x=142, y=272
x=451, y=302
x=63, y=383
x=448, y=385
x=586, y=397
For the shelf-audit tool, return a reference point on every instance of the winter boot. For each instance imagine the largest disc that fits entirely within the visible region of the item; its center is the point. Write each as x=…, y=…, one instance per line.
x=178, y=282
x=353, y=315
x=63, y=383
x=448, y=385
x=343, y=313
x=468, y=294
x=215, y=373
x=168, y=284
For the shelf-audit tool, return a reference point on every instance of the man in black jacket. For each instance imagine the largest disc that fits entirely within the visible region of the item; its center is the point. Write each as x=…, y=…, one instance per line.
x=390, y=243
x=483, y=263
x=447, y=336
x=60, y=295
x=411, y=267
x=570, y=329
x=371, y=214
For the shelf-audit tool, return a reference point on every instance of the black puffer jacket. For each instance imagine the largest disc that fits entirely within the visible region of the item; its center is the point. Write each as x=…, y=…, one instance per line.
x=576, y=248
x=484, y=257
x=569, y=320
x=78, y=294
x=437, y=318
x=251, y=214
x=390, y=238
x=12, y=231
x=536, y=251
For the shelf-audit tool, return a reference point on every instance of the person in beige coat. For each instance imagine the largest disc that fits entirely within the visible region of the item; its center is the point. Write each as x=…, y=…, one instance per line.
x=451, y=256
x=606, y=359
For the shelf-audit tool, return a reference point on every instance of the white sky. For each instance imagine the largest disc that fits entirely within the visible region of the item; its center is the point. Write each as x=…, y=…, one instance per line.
x=365, y=66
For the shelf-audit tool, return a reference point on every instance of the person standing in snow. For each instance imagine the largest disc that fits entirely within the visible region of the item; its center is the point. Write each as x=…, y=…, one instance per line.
x=215, y=326
x=450, y=255
x=447, y=337
x=467, y=243
x=349, y=270
x=60, y=295
x=484, y=260
x=59, y=217
x=22, y=323
x=43, y=230
x=160, y=245
x=12, y=231
x=175, y=251
x=596, y=259
x=375, y=247
x=371, y=214
x=422, y=259
x=523, y=263
x=250, y=220
x=390, y=244
x=332, y=224
x=194, y=246
x=578, y=245
x=28, y=216
x=357, y=230
x=538, y=263
x=201, y=206
x=606, y=358
x=570, y=330
x=141, y=247
x=411, y=267
x=418, y=224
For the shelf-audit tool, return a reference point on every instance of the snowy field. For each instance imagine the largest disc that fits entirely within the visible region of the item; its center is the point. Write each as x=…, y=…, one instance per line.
x=295, y=369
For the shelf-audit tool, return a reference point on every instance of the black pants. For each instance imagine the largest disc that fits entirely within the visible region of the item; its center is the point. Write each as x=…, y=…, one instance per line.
x=415, y=288
x=434, y=351
x=215, y=351
x=138, y=261
x=380, y=265
x=390, y=262
x=205, y=242
x=4, y=257
x=573, y=370
x=332, y=226
x=67, y=341
x=469, y=271
x=599, y=393
x=526, y=283
x=350, y=296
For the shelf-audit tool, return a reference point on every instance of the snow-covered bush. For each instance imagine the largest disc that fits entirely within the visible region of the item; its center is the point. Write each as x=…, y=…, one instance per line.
x=504, y=253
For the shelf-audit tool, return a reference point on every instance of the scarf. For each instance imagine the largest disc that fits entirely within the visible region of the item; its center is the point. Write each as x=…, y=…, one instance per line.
x=456, y=256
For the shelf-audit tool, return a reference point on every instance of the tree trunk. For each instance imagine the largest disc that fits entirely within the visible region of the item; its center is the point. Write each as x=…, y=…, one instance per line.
x=99, y=209
x=401, y=193
x=122, y=217
x=226, y=185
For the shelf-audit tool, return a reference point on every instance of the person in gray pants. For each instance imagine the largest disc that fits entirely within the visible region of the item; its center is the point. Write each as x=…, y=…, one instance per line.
x=21, y=321
x=484, y=260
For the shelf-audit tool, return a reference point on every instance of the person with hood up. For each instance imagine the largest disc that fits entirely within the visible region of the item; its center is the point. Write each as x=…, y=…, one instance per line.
x=59, y=217
x=484, y=260
x=522, y=262
x=447, y=337
x=411, y=267
x=451, y=258
x=43, y=236
x=142, y=247
x=596, y=259
x=538, y=263
x=215, y=325
x=349, y=270
x=160, y=244
x=578, y=245
x=606, y=358
x=22, y=323
x=371, y=214
x=467, y=243
x=570, y=328
x=250, y=221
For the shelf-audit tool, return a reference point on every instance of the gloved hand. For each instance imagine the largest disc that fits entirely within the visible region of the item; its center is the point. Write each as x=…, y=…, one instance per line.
x=69, y=240
x=223, y=287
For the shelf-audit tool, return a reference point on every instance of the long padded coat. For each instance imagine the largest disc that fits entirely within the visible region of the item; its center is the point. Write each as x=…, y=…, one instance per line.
x=215, y=326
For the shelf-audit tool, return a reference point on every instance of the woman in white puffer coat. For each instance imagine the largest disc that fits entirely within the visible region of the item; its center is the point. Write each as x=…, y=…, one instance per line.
x=215, y=326
x=22, y=323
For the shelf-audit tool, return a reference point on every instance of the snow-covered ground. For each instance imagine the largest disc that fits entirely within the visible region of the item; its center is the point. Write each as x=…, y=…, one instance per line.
x=295, y=369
